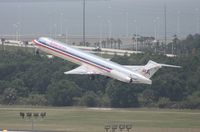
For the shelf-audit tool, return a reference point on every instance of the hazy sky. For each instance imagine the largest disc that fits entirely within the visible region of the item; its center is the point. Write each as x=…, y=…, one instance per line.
x=103, y=17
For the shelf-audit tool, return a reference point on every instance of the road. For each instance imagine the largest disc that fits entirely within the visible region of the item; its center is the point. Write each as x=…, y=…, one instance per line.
x=88, y=49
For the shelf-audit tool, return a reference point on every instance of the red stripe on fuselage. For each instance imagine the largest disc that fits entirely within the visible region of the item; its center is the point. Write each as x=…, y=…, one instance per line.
x=69, y=55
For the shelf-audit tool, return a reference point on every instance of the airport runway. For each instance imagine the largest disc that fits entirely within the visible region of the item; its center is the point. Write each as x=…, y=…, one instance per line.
x=25, y=131
x=28, y=131
x=13, y=131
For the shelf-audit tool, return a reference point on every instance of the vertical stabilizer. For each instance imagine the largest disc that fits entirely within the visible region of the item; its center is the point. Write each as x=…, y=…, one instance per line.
x=152, y=67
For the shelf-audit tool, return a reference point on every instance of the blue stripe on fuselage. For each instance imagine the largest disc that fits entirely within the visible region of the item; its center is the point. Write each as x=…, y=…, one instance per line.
x=75, y=55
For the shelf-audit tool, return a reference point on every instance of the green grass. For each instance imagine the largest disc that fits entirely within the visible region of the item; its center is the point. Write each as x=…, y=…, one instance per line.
x=85, y=119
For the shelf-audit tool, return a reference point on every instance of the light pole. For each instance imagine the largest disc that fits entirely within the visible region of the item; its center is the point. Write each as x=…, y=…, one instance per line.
x=55, y=30
x=66, y=36
x=158, y=27
x=109, y=22
x=107, y=127
x=136, y=34
x=32, y=116
x=129, y=126
x=178, y=23
x=100, y=29
x=121, y=127
x=165, y=17
x=198, y=21
x=155, y=29
x=16, y=31
x=84, y=22
x=127, y=25
x=66, y=32
x=61, y=23
x=118, y=125
x=156, y=32
x=109, y=28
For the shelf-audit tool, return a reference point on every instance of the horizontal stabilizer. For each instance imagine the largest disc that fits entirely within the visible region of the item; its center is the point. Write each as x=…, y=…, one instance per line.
x=173, y=66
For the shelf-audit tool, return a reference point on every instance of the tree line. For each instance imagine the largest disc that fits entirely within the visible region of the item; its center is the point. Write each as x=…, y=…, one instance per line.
x=30, y=79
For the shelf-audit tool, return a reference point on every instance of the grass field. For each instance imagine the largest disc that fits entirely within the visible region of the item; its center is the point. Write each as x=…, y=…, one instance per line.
x=93, y=120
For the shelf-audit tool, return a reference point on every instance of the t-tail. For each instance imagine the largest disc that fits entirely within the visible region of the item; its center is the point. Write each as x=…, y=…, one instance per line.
x=152, y=67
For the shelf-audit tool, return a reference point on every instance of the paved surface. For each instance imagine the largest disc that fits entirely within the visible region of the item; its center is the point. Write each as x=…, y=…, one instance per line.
x=13, y=131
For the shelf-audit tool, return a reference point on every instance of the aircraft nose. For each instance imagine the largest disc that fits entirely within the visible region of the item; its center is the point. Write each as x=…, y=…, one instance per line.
x=34, y=41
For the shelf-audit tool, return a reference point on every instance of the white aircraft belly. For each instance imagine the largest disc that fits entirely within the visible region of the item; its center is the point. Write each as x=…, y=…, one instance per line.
x=77, y=61
x=61, y=55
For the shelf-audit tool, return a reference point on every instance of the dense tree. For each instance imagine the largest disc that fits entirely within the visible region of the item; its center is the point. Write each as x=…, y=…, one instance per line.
x=90, y=99
x=121, y=95
x=147, y=97
x=62, y=93
x=26, y=78
x=9, y=96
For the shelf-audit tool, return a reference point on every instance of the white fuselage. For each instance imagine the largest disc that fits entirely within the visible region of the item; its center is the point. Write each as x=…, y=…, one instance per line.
x=106, y=67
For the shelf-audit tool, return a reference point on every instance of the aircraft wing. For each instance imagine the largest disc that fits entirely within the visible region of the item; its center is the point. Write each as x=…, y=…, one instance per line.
x=83, y=70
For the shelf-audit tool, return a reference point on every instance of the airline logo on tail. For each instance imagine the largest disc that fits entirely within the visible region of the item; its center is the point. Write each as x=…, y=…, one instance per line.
x=146, y=71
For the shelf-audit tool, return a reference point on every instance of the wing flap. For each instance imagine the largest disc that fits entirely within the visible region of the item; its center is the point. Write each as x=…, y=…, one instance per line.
x=82, y=70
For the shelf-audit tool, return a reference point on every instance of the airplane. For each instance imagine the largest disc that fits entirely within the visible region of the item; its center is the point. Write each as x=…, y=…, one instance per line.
x=91, y=64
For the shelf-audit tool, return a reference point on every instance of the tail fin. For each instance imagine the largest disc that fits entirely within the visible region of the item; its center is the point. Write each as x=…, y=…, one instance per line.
x=151, y=67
